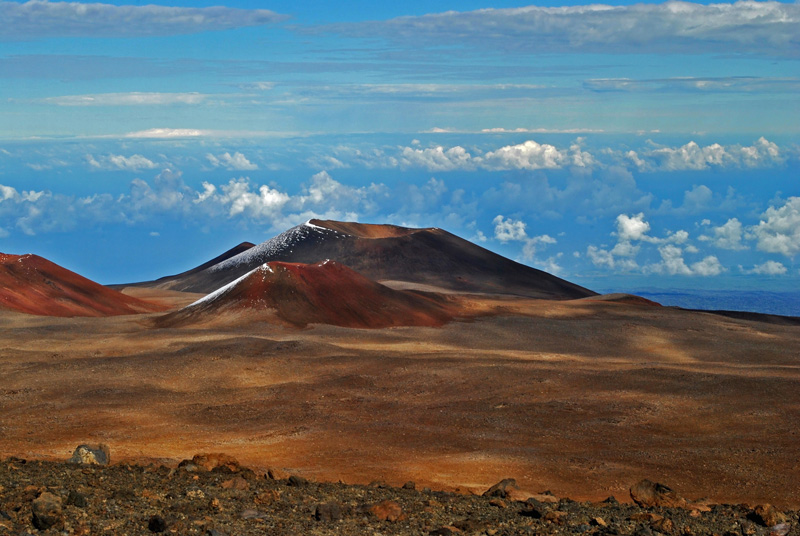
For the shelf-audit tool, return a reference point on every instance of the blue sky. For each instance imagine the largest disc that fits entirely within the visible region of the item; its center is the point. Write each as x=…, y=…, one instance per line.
x=620, y=146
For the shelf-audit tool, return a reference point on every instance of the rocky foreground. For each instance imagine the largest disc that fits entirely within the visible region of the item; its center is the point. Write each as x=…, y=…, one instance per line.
x=213, y=495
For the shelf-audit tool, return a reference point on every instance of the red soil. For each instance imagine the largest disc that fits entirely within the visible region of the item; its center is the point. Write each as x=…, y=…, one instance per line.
x=31, y=284
x=323, y=293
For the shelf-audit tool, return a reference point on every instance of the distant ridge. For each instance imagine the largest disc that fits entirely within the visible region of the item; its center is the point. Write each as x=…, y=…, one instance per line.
x=34, y=285
x=321, y=293
x=386, y=253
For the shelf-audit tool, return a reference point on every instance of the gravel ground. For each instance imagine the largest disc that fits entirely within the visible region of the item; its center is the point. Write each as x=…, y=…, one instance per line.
x=213, y=496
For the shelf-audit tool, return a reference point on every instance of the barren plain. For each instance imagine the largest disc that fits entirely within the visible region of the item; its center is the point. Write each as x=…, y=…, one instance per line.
x=581, y=397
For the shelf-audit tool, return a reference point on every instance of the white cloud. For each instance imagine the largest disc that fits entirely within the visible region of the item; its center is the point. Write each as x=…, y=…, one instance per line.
x=506, y=230
x=727, y=236
x=632, y=227
x=237, y=161
x=779, y=229
x=709, y=266
x=528, y=155
x=127, y=99
x=767, y=28
x=691, y=156
x=436, y=158
x=767, y=268
x=42, y=19
x=134, y=162
x=168, y=133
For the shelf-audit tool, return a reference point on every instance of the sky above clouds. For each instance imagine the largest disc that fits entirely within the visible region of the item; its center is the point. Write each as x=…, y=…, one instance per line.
x=620, y=146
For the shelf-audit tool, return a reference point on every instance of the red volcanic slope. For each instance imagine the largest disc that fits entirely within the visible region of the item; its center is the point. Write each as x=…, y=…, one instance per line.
x=31, y=284
x=324, y=293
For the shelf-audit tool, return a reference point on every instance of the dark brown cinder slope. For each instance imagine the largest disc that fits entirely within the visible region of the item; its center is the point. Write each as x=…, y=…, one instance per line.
x=428, y=256
x=34, y=285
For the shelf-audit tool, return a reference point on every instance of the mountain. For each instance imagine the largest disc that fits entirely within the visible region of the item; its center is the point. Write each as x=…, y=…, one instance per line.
x=387, y=253
x=322, y=293
x=34, y=285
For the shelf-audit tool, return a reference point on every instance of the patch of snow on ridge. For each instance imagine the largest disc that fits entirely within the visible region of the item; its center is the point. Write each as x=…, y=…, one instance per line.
x=224, y=289
x=274, y=246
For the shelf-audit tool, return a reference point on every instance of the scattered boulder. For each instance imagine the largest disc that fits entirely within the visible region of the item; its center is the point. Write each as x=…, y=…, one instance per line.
x=277, y=474
x=502, y=488
x=329, y=511
x=214, y=461
x=47, y=511
x=647, y=494
x=766, y=515
x=91, y=455
x=387, y=511
x=410, y=485
x=77, y=499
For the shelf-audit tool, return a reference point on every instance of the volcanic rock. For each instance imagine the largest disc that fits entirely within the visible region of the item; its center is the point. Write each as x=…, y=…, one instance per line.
x=157, y=524
x=34, y=285
x=47, y=512
x=766, y=515
x=210, y=462
x=91, y=455
x=329, y=511
x=387, y=511
x=646, y=493
x=501, y=489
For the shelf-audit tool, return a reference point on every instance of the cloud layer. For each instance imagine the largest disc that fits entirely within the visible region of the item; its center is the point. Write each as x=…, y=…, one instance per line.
x=38, y=19
x=744, y=27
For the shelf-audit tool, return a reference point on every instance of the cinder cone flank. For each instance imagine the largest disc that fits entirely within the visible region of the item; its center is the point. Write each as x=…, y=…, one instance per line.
x=31, y=284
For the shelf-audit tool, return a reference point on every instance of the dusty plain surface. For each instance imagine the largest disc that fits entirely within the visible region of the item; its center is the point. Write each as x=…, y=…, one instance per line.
x=582, y=398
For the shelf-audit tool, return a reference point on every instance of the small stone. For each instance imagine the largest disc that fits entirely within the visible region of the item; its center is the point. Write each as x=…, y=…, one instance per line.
x=664, y=525
x=387, y=511
x=214, y=461
x=766, y=515
x=156, y=524
x=543, y=498
x=237, y=483
x=75, y=498
x=781, y=529
x=556, y=517
x=47, y=512
x=251, y=513
x=297, y=481
x=598, y=522
x=444, y=531
x=329, y=511
x=277, y=474
x=409, y=485
x=380, y=484
x=499, y=503
x=647, y=494
x=501, y=489
x=91, y=455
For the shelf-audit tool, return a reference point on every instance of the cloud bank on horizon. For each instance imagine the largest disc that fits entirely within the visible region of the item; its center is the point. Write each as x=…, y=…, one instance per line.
x=644, y=144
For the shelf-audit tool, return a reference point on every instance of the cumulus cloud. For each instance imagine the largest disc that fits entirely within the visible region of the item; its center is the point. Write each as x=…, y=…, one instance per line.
x=762, y=28
x=779, y=229
x=237, y=161
x=767, y=268
x=632, y=227
x=691, y=156
x=673, y=263
x=506, y=230
x=127, y=99
x=527, y=155
x=41, y=19
x=436, y=158
x=134, y=162
x=727, y=236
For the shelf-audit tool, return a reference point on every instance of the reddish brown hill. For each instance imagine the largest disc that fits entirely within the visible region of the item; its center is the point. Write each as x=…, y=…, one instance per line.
x=323, y=293
x=31, y=284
